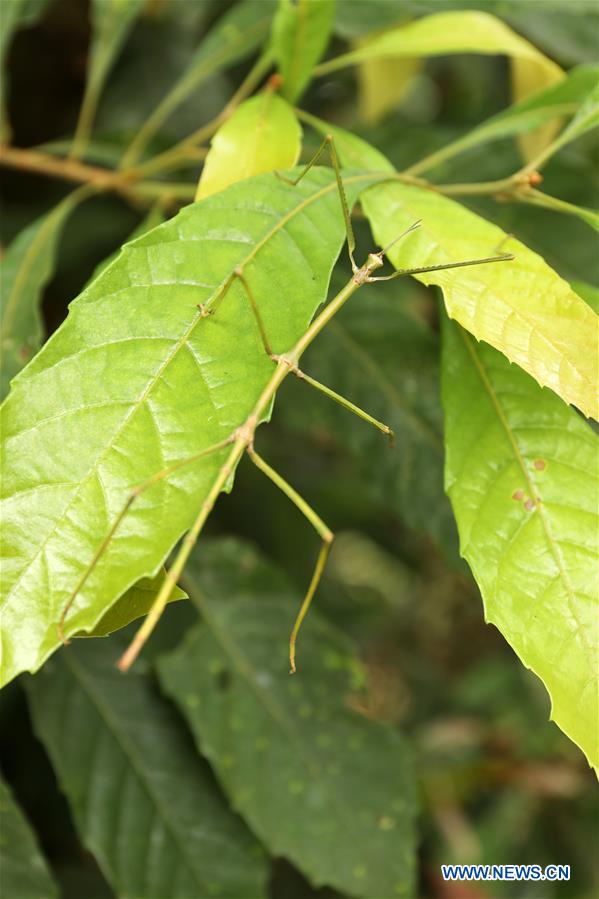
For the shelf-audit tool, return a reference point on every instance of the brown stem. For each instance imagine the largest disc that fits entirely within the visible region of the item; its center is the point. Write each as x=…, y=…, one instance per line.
x=82, y=173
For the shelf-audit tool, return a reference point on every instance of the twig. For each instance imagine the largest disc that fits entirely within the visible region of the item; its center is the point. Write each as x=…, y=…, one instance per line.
x=81, y=173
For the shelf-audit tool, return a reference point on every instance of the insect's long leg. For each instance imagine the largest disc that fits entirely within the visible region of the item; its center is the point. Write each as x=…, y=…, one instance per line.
x=135, y=493
x=329, y=144
x=347, y=404
x=189, y=541
x=210, y=310
x=504, y=257
x=320, y=527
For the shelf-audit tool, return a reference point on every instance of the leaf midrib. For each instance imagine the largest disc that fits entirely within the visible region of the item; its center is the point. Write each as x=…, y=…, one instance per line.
x=245, y=667
x=551, y=541
x=129, y=751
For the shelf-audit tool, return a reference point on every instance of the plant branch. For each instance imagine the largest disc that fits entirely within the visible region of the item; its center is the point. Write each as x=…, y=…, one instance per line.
x=190, y=147
x=81, y=173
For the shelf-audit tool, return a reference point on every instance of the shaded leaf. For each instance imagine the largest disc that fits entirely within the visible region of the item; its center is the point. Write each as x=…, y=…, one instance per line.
x=27, y=266
x=522, y=307
x=320, y=784
x=111, y=21
x=585, y=119
x=143, y=802
x=521, y=473
x=451, y=32
x=382, y=85
x=15, y=15
x=136, y=380
x=25, y=874
x=132, y=605
x=300, y=34
x=235, y=36
x=559, y=100
x=262, y=135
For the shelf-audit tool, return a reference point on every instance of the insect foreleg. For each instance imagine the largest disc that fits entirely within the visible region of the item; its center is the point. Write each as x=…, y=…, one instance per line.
x=135, y=493
x=320, y=527
x=328, y=144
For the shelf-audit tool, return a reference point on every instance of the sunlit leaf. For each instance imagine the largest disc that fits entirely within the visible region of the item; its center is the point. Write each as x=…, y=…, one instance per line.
x=27, y=266
x=300, y=34
x=137, y=379
x=142, y=800
x=522, y=307
x=521, y=473
x=585, y=119
x=262, y=135
x=318, y=783
x=25, y=874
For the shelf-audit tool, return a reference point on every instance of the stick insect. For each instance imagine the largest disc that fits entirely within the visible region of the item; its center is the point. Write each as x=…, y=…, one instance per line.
x=241, y=439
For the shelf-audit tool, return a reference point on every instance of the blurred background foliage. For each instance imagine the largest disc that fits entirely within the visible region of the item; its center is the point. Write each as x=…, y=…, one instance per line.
x=498, y=782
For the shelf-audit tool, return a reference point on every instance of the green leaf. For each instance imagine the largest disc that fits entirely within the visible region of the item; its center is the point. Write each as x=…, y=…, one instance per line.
x=446, y=33
x=15, y=15
x=142, y=801
x=559, y=100
x=383, y=84
x=111, y=21
x=27, y=267
x=235, y=36
x=133, y=604
x=300, y=34
x=25, y=874
x=154, y=218
x=262, y=135
x=585, y=119
x=136, y=380
x=521, y=473
x=316, y=781
x=522, y=307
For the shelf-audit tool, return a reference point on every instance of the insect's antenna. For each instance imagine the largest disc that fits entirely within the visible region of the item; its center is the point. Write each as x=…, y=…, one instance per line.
x=413, y=227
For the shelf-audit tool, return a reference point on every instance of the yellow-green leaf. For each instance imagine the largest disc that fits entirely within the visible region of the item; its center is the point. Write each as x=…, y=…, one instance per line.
x=447, y=33
x=300, y=34
x=382, y=85
x=522, y=308
x=529, y=77
x=521, y=473
x=261, y=136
